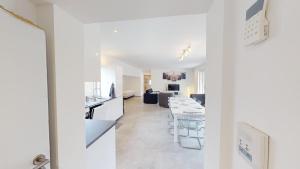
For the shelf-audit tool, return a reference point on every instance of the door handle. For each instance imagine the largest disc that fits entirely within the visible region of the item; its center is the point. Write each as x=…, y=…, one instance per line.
x=40, y=161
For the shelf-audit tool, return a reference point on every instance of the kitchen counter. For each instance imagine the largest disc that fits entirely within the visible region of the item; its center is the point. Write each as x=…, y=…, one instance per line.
x=105, y=109
x=95, y=129
x=97, y=102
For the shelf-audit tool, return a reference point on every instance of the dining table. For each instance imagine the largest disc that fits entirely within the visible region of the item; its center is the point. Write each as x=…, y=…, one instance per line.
x=183, y=106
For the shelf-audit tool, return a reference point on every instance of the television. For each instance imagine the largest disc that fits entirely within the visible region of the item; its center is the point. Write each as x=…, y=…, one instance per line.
x=173, y=87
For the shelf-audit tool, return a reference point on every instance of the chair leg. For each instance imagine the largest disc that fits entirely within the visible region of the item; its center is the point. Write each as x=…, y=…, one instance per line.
x=180, y=127
x=198, y=138
x=171, y=131
x=193, y=148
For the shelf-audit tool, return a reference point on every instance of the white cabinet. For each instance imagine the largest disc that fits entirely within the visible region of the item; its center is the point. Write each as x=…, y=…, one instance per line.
x=114, y=108
x=110, y=110
x=102, y=153
x=100, y=112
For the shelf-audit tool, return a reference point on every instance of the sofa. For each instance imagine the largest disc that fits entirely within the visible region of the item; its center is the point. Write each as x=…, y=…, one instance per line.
x=164, y=99
x=150, y=97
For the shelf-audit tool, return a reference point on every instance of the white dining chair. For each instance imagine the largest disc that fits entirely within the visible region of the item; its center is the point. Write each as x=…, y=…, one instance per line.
x=194, y=124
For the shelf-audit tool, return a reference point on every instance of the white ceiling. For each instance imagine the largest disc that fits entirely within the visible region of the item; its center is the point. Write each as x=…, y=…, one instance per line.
x=156, y=42
x=89, y=11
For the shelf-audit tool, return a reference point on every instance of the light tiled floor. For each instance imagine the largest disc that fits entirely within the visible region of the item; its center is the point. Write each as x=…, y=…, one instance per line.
x=143, y=141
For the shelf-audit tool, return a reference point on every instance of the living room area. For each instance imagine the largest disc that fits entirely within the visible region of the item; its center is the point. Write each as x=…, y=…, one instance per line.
x=181, y=83
x=153, y=72
x=148, y=123
x=163, y=87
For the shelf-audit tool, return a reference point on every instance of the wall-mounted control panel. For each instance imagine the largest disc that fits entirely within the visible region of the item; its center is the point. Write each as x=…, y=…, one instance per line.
x=253, y=146
x=257, y=25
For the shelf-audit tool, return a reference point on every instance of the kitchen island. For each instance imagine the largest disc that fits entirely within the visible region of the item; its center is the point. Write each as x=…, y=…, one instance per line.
x=100, y=144
x=105, y=109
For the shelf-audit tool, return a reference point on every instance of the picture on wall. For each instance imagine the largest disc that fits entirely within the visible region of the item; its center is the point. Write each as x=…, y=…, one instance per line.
x=174, y=76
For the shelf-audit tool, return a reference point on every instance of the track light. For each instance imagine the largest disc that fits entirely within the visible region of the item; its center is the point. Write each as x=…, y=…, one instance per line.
x=185, y=52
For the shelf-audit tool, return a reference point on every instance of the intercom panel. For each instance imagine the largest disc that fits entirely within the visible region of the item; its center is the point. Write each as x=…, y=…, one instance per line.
x=257, y=25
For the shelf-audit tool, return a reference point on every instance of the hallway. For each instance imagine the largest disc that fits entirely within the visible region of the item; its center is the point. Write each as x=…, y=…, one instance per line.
x=143, y=141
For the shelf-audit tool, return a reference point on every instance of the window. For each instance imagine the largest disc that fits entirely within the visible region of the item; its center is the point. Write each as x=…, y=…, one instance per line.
x=200, y=82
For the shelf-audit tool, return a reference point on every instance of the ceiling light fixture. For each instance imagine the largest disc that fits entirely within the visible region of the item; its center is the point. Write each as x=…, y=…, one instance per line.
x=185, y=52
x=116, y=31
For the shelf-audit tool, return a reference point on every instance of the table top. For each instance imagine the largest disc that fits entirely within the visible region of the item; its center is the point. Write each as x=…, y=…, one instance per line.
x=183, y=105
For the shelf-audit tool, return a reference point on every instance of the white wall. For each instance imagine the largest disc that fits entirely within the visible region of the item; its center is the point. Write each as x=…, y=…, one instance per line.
x=92, y=52
x=132, y=83
x=268, y=98
x=24, y=8
x=265, y=84
x=113, y=71
x=187, y=86
x=65, y=59
x=130, y=70
x=108, y=76
x=69, y=51
x=214, y=86
x=200, y=68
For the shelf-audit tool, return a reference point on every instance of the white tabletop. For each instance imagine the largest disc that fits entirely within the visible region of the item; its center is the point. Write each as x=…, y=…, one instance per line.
x=184, y=107
x=181, y=105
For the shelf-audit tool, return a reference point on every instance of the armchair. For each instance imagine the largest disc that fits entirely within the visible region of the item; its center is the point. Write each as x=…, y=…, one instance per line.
x=199, y=98
x=150, y=97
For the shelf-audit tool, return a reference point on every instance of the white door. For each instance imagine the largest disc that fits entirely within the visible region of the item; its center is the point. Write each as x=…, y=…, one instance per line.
x=24, y=131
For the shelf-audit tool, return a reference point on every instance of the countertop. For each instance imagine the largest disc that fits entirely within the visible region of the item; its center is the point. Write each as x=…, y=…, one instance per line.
x=95, y=129
x=98, y=102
